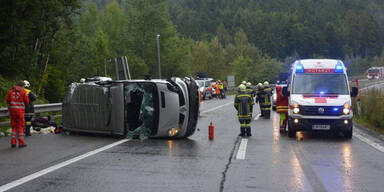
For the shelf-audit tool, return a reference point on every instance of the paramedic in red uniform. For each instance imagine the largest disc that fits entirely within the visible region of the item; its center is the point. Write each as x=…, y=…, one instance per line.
x=16, y=100
x=282, y=108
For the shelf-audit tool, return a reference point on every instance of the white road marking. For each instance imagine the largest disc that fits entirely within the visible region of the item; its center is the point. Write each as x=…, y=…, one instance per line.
x=369, y=142
x=25, y=179
x=213, y=109
x=242, y=149
x=257, y=116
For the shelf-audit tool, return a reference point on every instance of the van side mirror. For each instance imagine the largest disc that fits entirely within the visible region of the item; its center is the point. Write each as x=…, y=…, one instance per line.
x=354, y=92
x=286, y=92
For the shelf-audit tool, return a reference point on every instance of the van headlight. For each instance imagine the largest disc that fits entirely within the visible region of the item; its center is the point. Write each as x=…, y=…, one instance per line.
x=346, y=109
x=296, y=109
x=173, y=131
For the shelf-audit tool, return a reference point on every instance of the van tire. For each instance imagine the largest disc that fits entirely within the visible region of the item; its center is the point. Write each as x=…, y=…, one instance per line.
x=291, y=132
x=348, y=134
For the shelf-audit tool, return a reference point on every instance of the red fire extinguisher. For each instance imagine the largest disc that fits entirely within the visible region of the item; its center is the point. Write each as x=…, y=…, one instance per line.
x=211, y=131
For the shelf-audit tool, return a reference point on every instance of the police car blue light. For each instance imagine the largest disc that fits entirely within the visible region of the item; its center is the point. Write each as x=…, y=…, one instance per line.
x=335, y=109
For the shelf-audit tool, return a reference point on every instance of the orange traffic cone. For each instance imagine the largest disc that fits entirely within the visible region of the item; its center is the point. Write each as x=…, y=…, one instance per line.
x=211, y=131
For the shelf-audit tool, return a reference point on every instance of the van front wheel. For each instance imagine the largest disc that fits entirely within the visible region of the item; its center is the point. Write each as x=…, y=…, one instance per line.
x=291, y=131
x=348, y=134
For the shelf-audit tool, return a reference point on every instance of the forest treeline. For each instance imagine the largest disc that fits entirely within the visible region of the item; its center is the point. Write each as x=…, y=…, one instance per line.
x=55, y=42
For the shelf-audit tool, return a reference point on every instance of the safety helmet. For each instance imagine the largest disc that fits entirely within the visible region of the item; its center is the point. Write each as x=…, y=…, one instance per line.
x=26, y=83
x=260, y=85
x=249, y=84
x=266, y=83
x=82, y=80
x=242, y=87
x=244, y=82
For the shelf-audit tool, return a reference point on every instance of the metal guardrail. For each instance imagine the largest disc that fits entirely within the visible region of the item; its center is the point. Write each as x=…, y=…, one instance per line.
x=52, y=107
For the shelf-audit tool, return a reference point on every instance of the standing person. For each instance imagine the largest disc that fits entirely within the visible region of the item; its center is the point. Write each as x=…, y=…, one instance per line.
x=221, y=88
x=250, y=92
x=282, y=108
x=225, y=84
x=16, y=100
x=217, y=90
x=243, y=103
x=29, y=108
x=259, y=96
x=266, y=100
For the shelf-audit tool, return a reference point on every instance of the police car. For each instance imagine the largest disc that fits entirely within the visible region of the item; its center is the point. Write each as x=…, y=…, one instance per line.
x=319, y=97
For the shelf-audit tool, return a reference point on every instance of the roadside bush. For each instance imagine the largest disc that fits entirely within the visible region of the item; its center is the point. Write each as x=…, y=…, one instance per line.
x=372, y=108
x=5, y=85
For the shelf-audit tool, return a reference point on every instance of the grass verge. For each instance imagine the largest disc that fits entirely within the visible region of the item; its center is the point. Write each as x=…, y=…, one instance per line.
x=371, y=113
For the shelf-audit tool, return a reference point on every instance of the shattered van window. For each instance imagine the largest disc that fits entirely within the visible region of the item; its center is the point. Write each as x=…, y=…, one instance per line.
x=139, y=109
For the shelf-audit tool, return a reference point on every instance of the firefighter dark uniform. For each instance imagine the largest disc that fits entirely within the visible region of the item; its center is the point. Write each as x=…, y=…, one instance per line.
x=265, y=101
x=282, y=108
x=29, y=111
x=252, y=93
x=16, y=100
x=243, y=103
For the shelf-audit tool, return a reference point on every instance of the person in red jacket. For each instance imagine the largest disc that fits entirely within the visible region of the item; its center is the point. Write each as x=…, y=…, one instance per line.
x=282, y=108
x=16, y=100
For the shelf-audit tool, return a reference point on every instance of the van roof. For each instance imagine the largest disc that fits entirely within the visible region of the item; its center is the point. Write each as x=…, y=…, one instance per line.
x=318, y=65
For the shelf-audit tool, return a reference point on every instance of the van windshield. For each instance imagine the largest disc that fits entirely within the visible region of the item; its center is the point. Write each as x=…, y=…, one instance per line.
x=373, y=71
x=320, y=84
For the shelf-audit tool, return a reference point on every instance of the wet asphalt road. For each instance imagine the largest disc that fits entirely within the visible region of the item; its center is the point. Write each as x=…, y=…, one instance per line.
x=273, y=162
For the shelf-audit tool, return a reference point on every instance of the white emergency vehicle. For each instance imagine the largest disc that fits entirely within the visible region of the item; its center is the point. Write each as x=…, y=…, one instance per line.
x=319, y=97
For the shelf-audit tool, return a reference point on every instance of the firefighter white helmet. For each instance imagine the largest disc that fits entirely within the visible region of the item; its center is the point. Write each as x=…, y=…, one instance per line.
x=242, y=87
x=26, y=83
x=244, y=82
x=82, y=80
x=249, y=84
x=266, y=83
x=260, y=85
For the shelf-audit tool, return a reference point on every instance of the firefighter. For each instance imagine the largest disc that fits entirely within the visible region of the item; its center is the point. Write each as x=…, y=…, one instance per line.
x=282, y=108
x=265, y=100
x=243, y=103
x=16, y=100
x=259, y=91
x=250, y=92
x=29, y=108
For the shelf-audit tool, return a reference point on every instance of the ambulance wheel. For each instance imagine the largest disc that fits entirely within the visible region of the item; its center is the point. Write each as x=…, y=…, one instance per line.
x=348, y=134
x=291, y=131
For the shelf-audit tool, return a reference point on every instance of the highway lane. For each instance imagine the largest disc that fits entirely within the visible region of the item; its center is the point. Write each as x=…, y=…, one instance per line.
x=272, y=162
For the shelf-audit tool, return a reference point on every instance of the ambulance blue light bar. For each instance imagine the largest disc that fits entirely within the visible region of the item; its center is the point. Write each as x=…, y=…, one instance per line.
x=339, y=67
x=299, y=68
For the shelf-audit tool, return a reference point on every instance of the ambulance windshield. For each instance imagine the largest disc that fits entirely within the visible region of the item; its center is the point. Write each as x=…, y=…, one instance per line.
x=320, y=84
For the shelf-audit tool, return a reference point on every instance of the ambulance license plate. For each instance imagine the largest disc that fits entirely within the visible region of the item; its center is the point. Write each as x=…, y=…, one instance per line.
x=321, y=127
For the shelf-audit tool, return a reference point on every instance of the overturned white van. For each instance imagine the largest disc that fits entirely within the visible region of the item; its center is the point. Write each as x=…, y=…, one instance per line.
x=319, y=97
x=157, y=108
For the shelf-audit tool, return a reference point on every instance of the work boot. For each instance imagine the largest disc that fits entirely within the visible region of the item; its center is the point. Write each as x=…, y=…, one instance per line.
x=248, y=132
x=13, y=145
x=22, y=146
x=242, y=132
